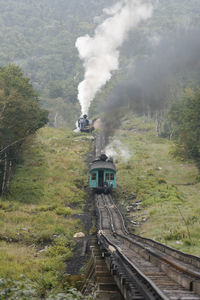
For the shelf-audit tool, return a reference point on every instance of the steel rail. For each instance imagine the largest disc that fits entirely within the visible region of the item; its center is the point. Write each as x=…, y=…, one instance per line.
x=146, y=285
x=110, y=214
x=119, y=212
x=99, y=213
x=174, y=264
x=193, y=260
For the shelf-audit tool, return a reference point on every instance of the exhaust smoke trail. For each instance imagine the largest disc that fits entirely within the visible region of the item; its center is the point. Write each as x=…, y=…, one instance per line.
x=100, y=54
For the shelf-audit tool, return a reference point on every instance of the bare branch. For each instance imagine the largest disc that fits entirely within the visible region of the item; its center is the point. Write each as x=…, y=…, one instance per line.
x=12, y=144
x=185, y=222
x=4, y=107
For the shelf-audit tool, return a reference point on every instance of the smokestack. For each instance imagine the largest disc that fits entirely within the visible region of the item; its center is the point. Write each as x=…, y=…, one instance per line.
x=100, y=53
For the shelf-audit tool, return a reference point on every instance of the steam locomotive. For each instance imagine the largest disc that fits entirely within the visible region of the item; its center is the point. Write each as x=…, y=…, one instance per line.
x=84, y=124
x=102, y=175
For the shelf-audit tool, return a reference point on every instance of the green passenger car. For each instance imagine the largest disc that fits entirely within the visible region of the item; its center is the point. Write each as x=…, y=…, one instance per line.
x=102, y=176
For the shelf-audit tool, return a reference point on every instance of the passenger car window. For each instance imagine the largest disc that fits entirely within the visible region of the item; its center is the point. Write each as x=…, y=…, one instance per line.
x=111, y=176
x=107, y=176
x=94, y=176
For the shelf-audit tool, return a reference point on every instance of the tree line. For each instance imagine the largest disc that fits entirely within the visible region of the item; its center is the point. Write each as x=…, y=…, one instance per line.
x=183, y=124
x=20, y=116
x=40, y=36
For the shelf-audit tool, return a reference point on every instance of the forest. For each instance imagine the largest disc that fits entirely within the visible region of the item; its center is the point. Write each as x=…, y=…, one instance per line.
x=40, y=37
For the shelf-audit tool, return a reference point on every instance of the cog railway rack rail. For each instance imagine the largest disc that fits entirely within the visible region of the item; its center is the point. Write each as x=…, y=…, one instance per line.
x=143, y=268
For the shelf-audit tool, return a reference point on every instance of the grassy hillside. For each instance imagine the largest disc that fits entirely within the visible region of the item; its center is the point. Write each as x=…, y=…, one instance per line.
x=159, y=194
x=39, y=216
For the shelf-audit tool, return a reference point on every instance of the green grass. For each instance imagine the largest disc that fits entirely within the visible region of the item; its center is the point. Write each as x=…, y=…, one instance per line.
x=36, y=215
x=170, y=210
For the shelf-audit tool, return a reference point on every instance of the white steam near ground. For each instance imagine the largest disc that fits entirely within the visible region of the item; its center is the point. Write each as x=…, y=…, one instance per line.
x=100, y=53
x=117, y=150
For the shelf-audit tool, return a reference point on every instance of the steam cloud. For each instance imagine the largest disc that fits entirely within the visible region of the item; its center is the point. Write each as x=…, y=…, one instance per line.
x=172, y=65
x=118, y=150
x=100, y=53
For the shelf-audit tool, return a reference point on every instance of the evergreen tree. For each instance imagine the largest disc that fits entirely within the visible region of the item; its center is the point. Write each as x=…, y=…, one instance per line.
x=184, y=116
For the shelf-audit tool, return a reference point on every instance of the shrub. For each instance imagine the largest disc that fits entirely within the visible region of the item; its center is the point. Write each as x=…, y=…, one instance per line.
x=63, y=211
x=44, y=237
x=161, y=180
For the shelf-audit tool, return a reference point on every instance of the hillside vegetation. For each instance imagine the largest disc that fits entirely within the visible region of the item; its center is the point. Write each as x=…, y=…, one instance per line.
x=38, y=218
x=20, y=117
x=158, y=193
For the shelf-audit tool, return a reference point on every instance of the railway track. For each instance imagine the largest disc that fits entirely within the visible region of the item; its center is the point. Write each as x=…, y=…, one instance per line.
x=99, y=144
x=143, y=268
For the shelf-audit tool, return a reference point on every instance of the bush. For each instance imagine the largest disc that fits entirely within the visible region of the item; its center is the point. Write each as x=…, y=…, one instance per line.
x=63, y=211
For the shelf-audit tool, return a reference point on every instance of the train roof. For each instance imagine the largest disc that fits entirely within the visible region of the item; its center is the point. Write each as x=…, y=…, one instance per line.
x=99, y=164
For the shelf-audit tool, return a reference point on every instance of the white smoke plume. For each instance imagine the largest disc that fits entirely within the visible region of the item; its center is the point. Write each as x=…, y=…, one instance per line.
x=100, y=53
